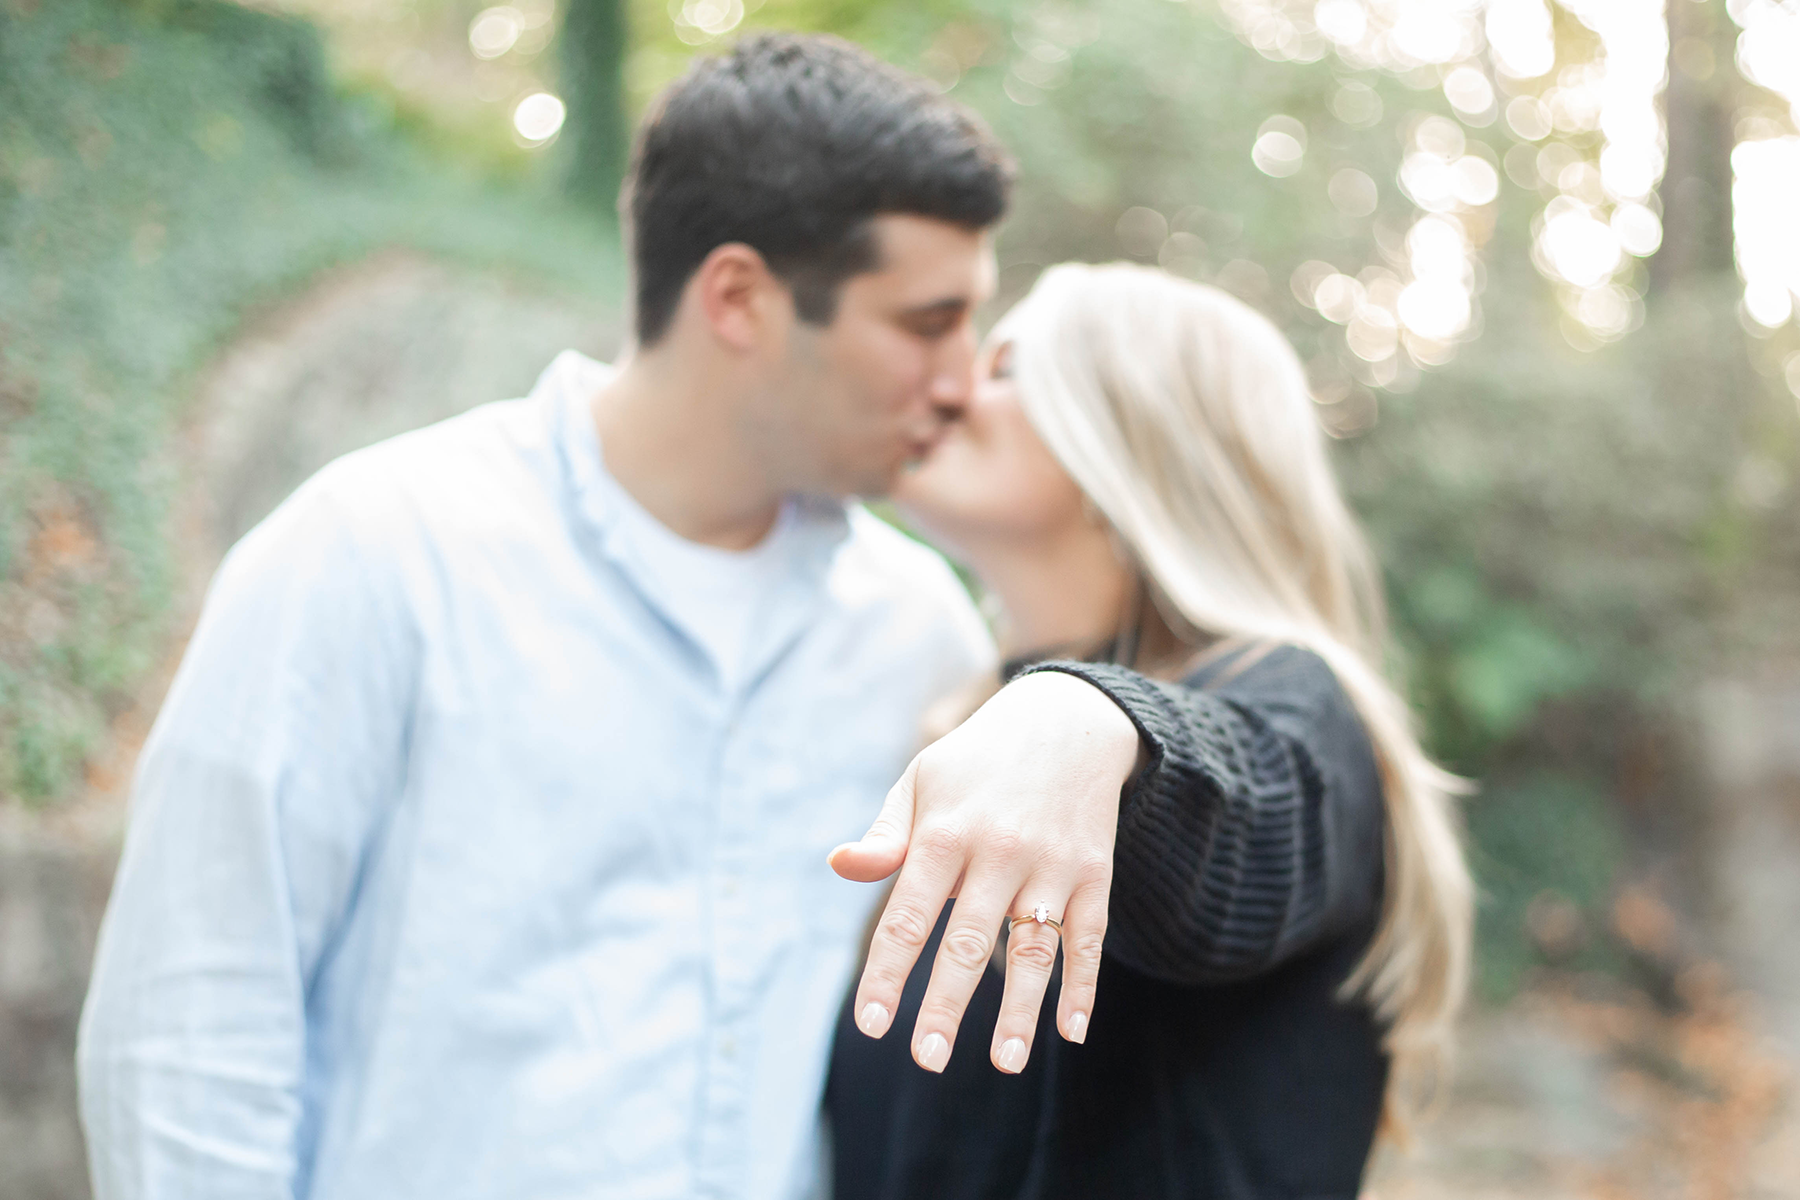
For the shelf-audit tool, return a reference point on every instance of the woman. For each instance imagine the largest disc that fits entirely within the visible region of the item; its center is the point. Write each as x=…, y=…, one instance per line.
x=1143, y=487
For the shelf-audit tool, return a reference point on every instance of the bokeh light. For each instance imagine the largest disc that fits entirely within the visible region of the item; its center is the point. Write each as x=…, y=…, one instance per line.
x=1606, y=312
x=538, y=117
x=1438, y=303
x=1768, y=51
x=1305, y=280
x=1605, y=212
x=1373, y=333
x=700, y=21
x=1352, y=192
x=1337, y=297
x=1576, y=245
x=494, y=31
x=1473, y=181
x=1435, y=135
x=1470, y=94
x=1527, y=118
x=1446, y=176
x=1142, y=231
x=1589, y=132
x=1638, y=227
x=521, y=29
x=1343, y=21
x=1765, y=192
x=1765, y=196
x=1634, y=65
x=1356, y=104
x=1393, y=35
x=1283, y=33
x=1280, y=146
x=1522, y=37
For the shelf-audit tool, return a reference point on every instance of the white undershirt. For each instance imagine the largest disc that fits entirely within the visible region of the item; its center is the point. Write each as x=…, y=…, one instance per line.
x=719, y=597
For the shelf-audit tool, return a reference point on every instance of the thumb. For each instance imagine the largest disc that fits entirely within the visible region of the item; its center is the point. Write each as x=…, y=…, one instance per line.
x=882, y=849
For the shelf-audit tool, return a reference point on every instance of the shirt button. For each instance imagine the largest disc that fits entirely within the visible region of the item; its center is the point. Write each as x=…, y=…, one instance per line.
x=729, y=887
x=727, y=1047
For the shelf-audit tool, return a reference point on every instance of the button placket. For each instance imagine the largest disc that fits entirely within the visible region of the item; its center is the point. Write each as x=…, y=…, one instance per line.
x=725, y=1145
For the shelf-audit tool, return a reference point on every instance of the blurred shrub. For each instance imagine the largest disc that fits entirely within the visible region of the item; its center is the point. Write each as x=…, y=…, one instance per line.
x=1546, y=847
x=164, y=167
x=279, y=60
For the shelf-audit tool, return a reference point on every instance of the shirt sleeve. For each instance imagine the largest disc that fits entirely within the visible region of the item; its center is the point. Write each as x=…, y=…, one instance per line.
x=970, y=652
x=1254, y=832
x=279, y=749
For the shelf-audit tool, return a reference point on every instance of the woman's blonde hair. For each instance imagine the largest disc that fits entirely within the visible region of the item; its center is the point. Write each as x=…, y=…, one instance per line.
x=1185, y=417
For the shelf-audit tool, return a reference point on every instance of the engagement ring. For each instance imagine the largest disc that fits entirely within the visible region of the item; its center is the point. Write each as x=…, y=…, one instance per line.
x=1040, y=914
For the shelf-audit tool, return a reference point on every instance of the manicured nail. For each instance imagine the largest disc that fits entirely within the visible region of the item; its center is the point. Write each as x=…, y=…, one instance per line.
x=873, y=1020
x=934, y=1052
x=1078, y=1027
x=831, y=859
x=1012, y=1056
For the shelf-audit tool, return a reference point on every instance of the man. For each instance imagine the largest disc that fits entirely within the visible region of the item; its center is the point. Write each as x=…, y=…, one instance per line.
x=479, y=849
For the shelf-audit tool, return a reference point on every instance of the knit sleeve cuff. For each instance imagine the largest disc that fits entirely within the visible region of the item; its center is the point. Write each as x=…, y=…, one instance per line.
x=1141, y=701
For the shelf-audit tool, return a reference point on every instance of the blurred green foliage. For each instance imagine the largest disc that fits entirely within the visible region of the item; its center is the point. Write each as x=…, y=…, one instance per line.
x=165, y=167
x=1549, y=840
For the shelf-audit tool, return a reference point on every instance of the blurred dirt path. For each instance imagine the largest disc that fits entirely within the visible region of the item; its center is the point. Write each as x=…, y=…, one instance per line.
x=391, y=344
x=367, y=351
x=1580, y=1090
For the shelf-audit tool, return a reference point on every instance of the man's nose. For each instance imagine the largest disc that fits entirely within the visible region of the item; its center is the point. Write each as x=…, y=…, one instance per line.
x=953, y=380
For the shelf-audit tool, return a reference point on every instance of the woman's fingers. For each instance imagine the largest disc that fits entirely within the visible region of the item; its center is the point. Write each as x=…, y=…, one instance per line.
x=1084, y=933
x=962, y=957
x=1030, y=958
x=933, y=867
x=880, y=851
x=1027, y=788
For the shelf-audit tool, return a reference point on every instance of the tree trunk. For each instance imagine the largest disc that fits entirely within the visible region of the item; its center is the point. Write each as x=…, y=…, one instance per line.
x=1696, y=192
x=593, y=74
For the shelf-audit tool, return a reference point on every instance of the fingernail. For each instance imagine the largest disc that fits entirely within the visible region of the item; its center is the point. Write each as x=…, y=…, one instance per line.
x=1012, y=1056
x=934, y=1052
x=832, y=857
x=1078, y=1027
x=873, y=1020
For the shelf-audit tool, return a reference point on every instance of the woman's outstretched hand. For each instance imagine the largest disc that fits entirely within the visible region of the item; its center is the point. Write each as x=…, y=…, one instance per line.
x=1016, y=807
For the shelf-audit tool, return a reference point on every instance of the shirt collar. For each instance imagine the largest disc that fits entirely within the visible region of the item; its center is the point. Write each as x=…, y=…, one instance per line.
x=566, y=386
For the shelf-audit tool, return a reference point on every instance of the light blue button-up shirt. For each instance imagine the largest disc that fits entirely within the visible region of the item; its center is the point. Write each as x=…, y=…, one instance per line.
x=454, y=872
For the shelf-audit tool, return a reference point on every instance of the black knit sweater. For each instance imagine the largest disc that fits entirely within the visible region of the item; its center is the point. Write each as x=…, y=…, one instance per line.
x=1219, y=1062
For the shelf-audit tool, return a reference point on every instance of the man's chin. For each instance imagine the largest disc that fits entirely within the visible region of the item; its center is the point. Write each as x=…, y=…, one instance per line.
x=887, y=482
x=887, y=479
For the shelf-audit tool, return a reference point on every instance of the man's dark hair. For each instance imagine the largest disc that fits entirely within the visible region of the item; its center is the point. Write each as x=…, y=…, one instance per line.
x=793, y=145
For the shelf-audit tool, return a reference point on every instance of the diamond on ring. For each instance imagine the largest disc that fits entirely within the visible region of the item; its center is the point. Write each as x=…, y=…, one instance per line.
x=1040, y=913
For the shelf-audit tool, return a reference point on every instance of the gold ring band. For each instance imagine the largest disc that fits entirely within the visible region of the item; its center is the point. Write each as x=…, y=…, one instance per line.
x=1039, y=916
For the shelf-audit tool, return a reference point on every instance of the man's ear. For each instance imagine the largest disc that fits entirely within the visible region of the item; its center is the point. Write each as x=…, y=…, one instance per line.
x=739, y=298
